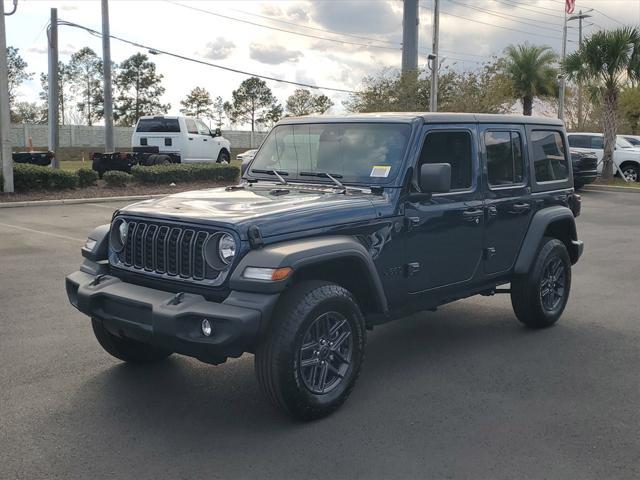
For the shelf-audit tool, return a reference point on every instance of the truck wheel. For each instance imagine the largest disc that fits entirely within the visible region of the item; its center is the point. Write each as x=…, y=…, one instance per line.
x=630, y=172
x=223, y=157
x=127, y=350
x=311, y=357
x=539, y=297
x=162, y=160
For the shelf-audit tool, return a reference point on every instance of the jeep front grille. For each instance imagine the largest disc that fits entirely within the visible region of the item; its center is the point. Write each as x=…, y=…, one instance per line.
x=171, y=250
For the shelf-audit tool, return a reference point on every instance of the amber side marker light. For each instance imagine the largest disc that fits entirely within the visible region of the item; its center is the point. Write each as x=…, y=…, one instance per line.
x=268, y=274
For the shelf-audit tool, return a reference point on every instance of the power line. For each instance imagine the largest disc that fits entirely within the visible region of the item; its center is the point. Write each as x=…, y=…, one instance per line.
x=530, y=8
x=601, y=13
x=202, y=62
x=501, y=26
x=510, y=16
x=266, y=17
x=219, y=15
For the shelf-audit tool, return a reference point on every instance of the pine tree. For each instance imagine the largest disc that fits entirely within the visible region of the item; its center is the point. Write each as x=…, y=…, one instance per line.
x=197, y=104
x=251, y=102
x=85, y=76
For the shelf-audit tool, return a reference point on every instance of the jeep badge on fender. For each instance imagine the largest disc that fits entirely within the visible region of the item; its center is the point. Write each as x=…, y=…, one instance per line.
x=339, y=224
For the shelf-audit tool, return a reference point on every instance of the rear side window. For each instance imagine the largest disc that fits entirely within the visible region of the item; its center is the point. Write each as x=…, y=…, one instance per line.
x=191, y=125
x=550, y=163
x=580, y=141
x=158, y=125
x=596, y=142
x=453, y=148
x=504, y=158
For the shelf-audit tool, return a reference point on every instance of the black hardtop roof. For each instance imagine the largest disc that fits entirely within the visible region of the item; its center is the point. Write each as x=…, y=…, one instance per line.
x=409, y=117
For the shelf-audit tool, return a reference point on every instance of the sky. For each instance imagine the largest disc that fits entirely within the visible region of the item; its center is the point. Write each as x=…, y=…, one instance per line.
x=368, y=34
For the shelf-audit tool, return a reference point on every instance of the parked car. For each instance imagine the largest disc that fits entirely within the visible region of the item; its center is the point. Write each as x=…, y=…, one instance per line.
x=187, y=137
x=585, y=169
x=632, y=139
x=340, y=224
x=625, y=155
x=42, y=159
x=245, y=159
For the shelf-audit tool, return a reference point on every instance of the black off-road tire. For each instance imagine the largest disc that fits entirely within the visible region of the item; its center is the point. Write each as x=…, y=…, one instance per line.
x=162, y=160
x=527, y=290
x=223, y=157
x=127, y=350
x=277, y=360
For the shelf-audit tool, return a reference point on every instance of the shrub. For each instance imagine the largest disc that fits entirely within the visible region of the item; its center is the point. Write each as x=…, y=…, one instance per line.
x=175, y=172
x=86, y=177
x=114, y=178
x=33, y=177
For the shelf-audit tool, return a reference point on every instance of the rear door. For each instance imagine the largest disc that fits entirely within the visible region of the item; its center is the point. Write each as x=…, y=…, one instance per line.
x=508, y=202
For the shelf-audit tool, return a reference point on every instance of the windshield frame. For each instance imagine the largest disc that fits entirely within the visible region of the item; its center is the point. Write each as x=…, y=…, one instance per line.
x=392, y=180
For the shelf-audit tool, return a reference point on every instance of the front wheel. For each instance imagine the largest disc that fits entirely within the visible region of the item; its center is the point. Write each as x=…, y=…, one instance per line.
x=631, y=173
x=126, y=349
x=540, y=296
x=223, y=157
x=312, y=354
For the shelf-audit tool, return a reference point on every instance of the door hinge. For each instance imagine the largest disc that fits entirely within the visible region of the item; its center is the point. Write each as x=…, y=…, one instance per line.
x=412, y=268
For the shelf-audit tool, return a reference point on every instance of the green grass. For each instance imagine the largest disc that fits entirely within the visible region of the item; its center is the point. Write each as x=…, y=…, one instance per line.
x=73, y=165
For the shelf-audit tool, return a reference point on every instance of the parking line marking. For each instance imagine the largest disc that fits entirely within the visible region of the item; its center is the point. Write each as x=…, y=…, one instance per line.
x=49, y=234
x=113, y=209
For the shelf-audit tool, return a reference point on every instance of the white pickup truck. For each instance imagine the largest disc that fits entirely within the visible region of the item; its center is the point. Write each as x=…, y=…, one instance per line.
x=187, y=138
x=625, y=156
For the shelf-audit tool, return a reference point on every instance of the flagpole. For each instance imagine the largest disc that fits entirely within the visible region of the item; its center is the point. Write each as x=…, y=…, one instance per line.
x=562, y=79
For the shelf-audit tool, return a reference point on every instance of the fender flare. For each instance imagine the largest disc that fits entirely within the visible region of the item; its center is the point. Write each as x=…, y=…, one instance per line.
x=541, y=220
x=298, y=254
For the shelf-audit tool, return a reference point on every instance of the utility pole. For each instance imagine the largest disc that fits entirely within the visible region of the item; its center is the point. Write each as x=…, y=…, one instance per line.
x=54, y=137
x=580, y=17
x=410, y=21
x=5, y=119
x=108, y=93
x=562, y=76
x=435, y=60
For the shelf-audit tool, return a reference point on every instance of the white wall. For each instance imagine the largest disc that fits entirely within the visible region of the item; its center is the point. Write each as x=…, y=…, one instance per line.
x=93, y=137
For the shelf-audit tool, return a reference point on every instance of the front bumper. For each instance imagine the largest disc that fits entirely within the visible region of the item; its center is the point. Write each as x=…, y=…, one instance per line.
x=173, y=322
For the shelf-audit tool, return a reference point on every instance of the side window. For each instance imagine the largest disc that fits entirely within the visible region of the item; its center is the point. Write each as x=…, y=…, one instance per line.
x=579, y=141
x=202, y=128
x=191, y=125
x=549, y=158
x=453, y=147
x=504, y=158
x=597, y=143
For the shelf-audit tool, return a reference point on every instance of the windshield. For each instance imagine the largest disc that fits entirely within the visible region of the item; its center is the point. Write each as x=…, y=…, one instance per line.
x=622, y=143
x=369, y=153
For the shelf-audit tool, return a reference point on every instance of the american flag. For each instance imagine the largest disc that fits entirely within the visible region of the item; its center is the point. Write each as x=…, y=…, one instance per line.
x=569, y=6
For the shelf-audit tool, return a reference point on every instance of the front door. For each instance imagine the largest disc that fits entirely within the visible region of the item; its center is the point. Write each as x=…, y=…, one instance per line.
x=444, y=239
x=508, y=202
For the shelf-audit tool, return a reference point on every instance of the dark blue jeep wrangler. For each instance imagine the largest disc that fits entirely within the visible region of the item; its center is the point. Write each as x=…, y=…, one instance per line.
x=339, y=224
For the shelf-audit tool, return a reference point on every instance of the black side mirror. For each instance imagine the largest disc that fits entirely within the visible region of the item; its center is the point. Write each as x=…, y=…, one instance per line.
x=435, y=178
x=216, y=133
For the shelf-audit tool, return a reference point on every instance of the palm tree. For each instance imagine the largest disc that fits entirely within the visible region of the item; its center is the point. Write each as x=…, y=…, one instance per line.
x=609, y=59
x=531, y=70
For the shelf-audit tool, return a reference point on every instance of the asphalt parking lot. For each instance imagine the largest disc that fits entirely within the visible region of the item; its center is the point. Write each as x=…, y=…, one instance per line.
x=465, y=392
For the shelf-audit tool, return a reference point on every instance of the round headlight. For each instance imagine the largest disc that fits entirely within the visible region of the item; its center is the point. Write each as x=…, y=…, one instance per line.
x=119, y=232
x=226, y=248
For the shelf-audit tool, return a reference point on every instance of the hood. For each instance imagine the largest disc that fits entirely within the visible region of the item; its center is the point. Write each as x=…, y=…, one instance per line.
x=269, y=207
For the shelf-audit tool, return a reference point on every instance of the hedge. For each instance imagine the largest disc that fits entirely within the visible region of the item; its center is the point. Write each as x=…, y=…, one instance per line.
x=86, y=177
x=33, y=177
x=115, y=178
x=177, y=172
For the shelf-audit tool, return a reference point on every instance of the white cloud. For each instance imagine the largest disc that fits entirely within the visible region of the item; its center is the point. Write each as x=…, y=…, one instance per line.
x=218, y=49
x=273, y=54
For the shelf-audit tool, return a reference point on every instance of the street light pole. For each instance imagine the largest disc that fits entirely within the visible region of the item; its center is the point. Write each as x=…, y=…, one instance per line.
x=5, y=119
x=53, y=86
x=410, y=36
x=108, y=93
x=562, y=76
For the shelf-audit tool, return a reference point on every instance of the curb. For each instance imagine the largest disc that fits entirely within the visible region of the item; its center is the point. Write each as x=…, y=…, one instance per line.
x=610, y=188
x=75, y=201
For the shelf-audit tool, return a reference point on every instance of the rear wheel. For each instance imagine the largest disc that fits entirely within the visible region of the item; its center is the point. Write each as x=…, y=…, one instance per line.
x=540, y=296
x=125, y=349
x=223, y=157
x=162, y=160
x=312, y=354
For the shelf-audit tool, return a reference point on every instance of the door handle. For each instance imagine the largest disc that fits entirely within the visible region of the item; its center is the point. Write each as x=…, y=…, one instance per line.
x=520, y=207
x=190, y=138
x=204, y=139
x=472, y=215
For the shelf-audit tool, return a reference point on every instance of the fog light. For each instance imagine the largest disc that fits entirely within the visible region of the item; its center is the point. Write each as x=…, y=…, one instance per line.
x=206, y=328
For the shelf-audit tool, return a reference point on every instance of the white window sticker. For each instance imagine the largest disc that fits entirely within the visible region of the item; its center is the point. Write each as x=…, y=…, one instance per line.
x=380, y=171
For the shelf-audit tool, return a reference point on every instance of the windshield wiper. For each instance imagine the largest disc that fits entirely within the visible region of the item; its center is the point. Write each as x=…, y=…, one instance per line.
x=333, y=177
x=273, y=172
